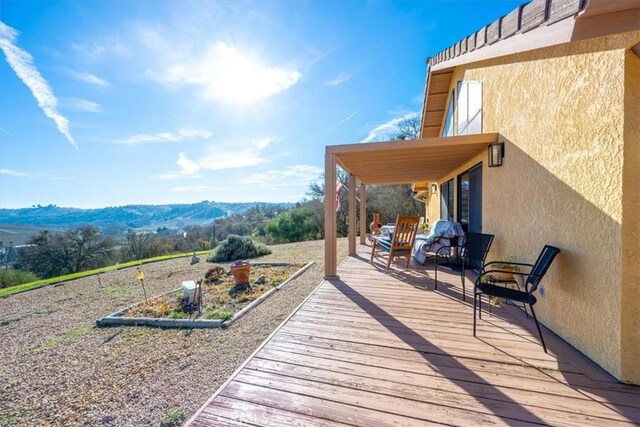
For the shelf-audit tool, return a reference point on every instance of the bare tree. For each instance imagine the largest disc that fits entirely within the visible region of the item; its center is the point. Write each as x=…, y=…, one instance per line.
x=140, y=245
x=408, y=128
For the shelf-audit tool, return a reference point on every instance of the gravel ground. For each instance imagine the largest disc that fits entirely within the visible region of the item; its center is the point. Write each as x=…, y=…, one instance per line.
x=57, y=368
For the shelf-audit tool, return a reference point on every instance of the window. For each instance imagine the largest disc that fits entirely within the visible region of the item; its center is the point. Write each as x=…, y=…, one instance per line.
x=469, y=107
x=448, y=122
x=446, y=200
x=470, y=199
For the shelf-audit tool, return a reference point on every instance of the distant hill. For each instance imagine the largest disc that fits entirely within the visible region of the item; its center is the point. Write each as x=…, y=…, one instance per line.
x=17, y=234
x=130, y=216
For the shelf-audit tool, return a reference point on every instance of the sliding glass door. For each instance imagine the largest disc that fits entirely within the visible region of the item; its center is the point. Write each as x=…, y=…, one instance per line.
x=470, y=199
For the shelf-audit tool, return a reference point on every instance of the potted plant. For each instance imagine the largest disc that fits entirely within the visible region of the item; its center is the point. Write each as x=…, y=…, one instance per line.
x=423, y=228
x=240, y=271
x=507, y=276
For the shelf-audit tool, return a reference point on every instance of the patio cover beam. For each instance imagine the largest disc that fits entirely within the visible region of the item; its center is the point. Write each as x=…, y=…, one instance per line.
x=401, y=162
x=352, y=215
x=363, y=213
x=330, y=238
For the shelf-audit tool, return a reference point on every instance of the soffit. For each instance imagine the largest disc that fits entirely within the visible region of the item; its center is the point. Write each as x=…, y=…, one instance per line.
x=435, y=103
x=398, y=162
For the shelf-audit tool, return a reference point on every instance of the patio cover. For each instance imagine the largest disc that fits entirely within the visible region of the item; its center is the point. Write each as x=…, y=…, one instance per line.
x=394, y=162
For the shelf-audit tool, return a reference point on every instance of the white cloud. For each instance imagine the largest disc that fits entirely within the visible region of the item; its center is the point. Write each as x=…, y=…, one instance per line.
x=11, y=172
x=297, y=175
x=226, y=74
x=380, y=131
x=77, y=104
x=225, y=157
x=188, y=167
x=89, y=78
x=173, y=176
x=35, y=175
x=198, y=189
x=95, y=49
x=338, y=80
x=181, y=135
x=22, y=64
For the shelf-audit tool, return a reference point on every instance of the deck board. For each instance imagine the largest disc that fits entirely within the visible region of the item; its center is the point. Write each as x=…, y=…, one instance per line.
x=380, y=348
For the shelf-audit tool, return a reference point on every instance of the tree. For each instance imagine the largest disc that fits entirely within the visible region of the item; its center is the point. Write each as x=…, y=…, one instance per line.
x=408, y=128
x=295, y=225
x=74, y=250
x=85, y=248
x=140, y=245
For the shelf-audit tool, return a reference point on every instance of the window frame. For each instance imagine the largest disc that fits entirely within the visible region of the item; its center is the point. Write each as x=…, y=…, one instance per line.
x=450, y=116
x=467, y=85
x=450, y=186
x=459, y=194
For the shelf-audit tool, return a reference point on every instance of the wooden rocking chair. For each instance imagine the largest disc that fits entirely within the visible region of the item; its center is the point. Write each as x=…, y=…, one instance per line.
x=401, y=243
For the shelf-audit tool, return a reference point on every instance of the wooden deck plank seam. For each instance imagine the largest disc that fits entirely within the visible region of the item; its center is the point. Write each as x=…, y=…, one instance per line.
x=545, y=379
x=511, y=359
x=400, y=370
x=322, y=416
x=354, y=405
x=456, y=407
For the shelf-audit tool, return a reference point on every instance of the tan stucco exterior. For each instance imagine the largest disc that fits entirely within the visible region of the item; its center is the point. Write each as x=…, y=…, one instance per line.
x=630, y=312
x=569, y=117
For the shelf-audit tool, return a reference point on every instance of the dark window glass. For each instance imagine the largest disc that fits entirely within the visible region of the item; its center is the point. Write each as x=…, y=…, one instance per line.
x=470, y=199
x=446, y=200
x=463, y=200
x=448, y=122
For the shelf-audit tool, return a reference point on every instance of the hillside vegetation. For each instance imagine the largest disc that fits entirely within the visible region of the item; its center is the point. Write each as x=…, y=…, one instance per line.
x=130, y=216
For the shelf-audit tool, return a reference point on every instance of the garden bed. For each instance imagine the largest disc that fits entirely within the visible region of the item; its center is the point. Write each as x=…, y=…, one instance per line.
x=218, y=308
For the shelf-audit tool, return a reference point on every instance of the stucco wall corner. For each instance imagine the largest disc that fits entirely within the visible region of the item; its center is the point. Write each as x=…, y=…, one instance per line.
x=630, y=308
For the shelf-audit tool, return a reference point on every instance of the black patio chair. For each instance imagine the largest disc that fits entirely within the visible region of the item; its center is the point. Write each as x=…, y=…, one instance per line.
x=533, y=279
x=471, y=255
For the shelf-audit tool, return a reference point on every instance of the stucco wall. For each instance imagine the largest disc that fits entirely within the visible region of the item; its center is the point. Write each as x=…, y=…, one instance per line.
x=561, y=111
x=630, y=313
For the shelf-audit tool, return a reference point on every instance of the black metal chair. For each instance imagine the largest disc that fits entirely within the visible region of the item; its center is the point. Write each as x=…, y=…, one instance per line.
x=472, y=255
x=533, y=279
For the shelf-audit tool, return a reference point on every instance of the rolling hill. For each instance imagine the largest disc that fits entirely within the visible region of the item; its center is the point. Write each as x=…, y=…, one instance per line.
x=130, y=216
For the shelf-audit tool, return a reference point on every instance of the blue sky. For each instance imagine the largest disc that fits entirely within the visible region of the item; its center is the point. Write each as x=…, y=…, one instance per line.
x=123, y=102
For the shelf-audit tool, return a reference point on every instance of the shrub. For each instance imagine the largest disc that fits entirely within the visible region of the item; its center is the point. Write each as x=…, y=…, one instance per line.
x=214, y=274
x=221, y=313
x=295, y=225
x=172, y=419
x=237, y=247
x=12, y=277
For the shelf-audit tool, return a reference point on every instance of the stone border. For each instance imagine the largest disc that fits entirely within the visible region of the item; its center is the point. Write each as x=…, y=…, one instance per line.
x=116, y=318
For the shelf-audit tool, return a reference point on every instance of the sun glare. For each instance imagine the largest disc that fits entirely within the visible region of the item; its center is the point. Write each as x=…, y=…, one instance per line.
x=237, y=78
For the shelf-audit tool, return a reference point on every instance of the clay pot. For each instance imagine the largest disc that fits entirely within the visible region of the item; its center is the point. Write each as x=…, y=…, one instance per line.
x=374, y=227
x=504, y=277
x=240, y=271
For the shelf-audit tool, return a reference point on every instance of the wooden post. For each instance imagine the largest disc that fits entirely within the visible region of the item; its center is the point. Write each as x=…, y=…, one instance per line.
x=352, y=215
x=330, y=243
x=363, y=213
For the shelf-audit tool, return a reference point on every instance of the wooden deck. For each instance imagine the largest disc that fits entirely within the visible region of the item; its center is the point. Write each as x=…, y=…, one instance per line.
x=382, y=348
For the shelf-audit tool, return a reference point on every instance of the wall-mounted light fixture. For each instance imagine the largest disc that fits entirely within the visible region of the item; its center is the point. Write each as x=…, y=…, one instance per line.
x=434, y=188
x=496, y=154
